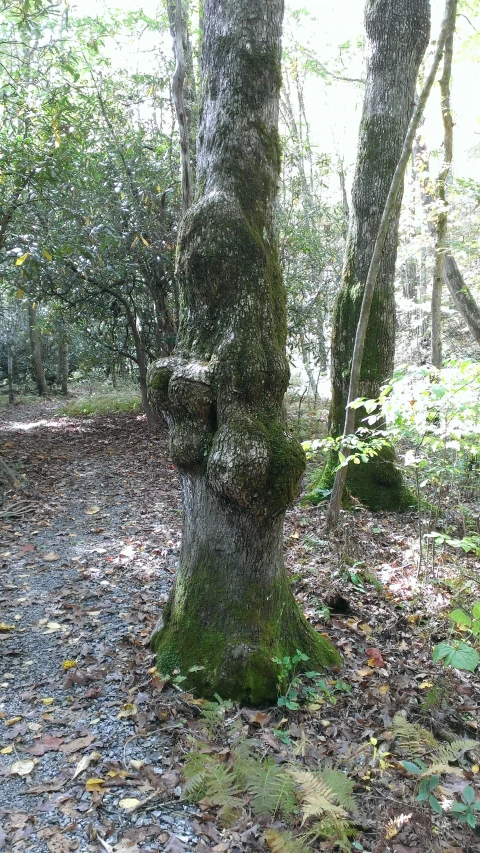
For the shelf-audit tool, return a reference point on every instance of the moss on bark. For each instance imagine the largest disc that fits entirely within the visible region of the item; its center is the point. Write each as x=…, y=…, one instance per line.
x=236, y=646
x=377, y=484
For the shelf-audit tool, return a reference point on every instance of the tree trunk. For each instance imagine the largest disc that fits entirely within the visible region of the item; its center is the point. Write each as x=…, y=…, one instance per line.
x=37, y=363
x=441, y=212
x=232, y=608
x=11, y=395
x=461, y=295
x=62, y=372
x=398, y=33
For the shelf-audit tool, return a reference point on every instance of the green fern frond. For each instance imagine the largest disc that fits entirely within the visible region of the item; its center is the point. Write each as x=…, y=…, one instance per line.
x=452, y=751
x=332, y=829
x=272, y=790
x=284, y=842
x=341, y=786
x=215, y=781
x=318, y=798
x=412, y=738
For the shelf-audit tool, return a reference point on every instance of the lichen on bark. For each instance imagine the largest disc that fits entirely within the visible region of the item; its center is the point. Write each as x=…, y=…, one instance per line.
x=232, y=608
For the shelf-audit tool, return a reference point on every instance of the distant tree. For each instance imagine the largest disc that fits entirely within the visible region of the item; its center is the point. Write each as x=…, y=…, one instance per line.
x=397, y=33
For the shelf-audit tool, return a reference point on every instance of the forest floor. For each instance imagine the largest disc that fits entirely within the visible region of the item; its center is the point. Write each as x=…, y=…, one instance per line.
x=92, y=741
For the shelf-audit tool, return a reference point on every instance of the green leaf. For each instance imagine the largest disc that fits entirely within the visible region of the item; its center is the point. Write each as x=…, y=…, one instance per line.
x=440, y=651
x=476, y=610
x=435, y=804
x=465, y=657
x=460, y=618
x=471, y=820
x=410, y=767
x=458, y=808
x=468, y=794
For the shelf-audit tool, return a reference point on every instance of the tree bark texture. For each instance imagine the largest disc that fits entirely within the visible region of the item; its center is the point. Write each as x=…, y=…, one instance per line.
x=397, y=33
x=441, y=222
x=222, y=392
x=37, y=363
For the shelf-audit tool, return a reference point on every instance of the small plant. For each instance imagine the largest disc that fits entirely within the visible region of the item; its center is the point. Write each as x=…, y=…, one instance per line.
x=460, y=654
x=465, y=811
x=302, y=688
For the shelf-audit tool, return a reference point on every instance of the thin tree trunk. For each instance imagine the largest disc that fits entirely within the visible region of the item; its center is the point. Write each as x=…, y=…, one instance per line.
x=37, y=363
x=153, y=419
x=232, y=609
x=62, y=372
x=11, y=395
x=462, y=298
x=375, y=263
x=178, y=28
x=398, y=33
x=441, y=206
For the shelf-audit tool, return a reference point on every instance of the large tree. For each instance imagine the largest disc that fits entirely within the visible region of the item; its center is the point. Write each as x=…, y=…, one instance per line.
x=232, y=609
x=397, y=34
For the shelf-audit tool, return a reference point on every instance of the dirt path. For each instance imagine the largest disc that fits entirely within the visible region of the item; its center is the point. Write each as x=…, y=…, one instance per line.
x=82, y=578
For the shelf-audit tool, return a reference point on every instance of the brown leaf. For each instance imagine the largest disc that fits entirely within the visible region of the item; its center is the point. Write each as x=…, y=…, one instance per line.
x=77, y=744
x=58, y=844
x=46, y=744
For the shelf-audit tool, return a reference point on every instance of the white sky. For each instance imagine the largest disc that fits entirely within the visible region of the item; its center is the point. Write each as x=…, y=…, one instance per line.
x=334, y=110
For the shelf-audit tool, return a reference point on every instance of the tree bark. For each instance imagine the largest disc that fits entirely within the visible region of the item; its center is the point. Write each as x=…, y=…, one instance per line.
x=232, y=608
x=397, y=33
x=11, y=395
x=376, y=260
x=62, y=372
x=37, y=363
x=441, y=207
x=462, y=298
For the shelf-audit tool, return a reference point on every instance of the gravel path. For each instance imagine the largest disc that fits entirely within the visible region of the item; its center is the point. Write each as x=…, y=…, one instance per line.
x=82, y=580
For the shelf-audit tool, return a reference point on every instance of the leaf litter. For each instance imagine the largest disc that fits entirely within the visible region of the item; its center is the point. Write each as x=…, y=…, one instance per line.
x=100, y=740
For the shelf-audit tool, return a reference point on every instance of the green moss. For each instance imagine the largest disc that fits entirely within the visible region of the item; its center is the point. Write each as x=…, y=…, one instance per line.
x=167, y=662
x=377, y=484
x=287, y=464
x=158, y=380
x=235, y=641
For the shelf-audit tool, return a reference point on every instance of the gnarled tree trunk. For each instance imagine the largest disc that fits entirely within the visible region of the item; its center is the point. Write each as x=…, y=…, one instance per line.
x=232, y=608
x=397, y=33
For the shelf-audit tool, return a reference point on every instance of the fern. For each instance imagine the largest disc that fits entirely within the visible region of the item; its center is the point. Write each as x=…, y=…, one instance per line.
x=447, y=753
x=332, y=829
x=284, y=842
x=206, y=777
x=272, y=790
x=341, y=785
x=412, y=738
x=318, y=799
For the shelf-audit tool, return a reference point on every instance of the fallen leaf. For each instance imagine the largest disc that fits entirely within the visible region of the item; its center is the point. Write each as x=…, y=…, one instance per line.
x=94, y=784
x=12, y=721
x=69, y=664
x=366, y=628
x=52, y=627
x=84, y=763
x=375, y=658
x=129, y=803
x=77, y=744
x=22, y=768
x=92, y=510
x=59, y=844
x=51, y=557
x=5, y=627
x=128, y=710
x=46, y=744
x=7, y=750
x=49, y=700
